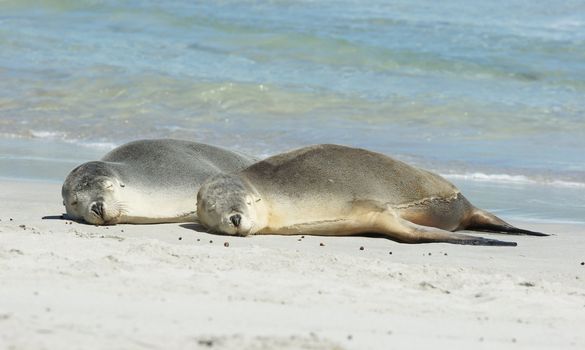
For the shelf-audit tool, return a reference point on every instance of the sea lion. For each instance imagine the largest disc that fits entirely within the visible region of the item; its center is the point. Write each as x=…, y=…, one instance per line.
x=145, y=181
x=337, y=191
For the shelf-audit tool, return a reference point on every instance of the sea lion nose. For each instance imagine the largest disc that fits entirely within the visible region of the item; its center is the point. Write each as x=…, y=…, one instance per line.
x=235, y=219
x=98, y=208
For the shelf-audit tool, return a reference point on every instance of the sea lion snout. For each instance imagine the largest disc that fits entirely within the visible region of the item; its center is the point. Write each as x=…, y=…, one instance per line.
x=98, y=209
x=102, y=212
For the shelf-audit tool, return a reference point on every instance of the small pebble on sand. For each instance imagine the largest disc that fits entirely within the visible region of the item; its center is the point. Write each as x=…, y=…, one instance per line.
x=321, y=244
x=211, y=241
x=226, y=244
x=180, y=238
x=361, y=248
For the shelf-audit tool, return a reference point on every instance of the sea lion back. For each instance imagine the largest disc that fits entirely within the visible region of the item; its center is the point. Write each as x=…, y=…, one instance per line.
x=350, y=173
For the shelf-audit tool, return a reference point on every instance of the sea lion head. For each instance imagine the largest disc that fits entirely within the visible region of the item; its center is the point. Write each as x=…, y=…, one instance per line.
x=91, y=191
x=225, y=204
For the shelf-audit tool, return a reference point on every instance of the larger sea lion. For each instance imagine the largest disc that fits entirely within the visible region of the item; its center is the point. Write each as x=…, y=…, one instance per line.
x=146, y=181
x=338, y=191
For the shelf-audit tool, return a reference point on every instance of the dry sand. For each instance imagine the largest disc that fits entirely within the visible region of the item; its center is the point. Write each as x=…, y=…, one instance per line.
x=67, y=285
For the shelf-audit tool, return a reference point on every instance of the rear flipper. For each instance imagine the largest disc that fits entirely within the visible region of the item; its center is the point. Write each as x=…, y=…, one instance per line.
x=407, y=232
x=481, y=220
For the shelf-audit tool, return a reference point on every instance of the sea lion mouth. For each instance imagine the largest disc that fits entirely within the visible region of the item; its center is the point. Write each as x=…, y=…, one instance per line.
x=244, y=228
x=236, y=223
x=94, y=219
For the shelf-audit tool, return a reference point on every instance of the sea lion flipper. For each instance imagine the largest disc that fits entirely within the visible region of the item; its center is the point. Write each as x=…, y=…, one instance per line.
x=408, y=232
x=481, y=220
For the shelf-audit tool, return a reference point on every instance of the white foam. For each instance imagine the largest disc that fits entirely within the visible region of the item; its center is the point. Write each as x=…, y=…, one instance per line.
x=61, y=136
x=567, y=24
x=108, y=146
x=37, y=159
x=52, y=135
x=513, y=179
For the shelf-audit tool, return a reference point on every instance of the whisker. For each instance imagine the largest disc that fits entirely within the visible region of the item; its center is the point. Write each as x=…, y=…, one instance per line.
x=121, y=207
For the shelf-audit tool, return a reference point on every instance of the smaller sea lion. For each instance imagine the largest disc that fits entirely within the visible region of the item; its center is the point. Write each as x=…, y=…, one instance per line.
x=145, y=181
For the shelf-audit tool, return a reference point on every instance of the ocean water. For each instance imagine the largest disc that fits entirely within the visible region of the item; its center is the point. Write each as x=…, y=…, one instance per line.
x=489, y=94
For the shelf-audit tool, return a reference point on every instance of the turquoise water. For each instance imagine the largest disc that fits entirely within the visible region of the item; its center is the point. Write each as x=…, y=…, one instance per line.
x=491, y=95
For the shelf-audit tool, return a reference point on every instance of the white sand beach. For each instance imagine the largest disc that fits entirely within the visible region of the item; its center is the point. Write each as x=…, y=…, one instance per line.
x=66, y=285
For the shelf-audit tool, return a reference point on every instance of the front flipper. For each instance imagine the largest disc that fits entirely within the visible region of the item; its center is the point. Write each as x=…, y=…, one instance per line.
x=183, y=217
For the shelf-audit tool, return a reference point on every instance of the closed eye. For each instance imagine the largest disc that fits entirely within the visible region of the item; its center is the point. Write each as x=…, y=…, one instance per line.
x=74, y=203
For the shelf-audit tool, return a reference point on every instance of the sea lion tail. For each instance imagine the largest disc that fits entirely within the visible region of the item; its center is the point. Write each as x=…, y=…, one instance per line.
x=481, y=220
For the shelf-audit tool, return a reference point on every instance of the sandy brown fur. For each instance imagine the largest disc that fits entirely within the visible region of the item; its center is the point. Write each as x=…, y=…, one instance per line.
x=337, y=190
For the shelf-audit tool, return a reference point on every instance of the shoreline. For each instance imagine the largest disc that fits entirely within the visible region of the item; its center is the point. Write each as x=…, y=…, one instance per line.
x=158, y=286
